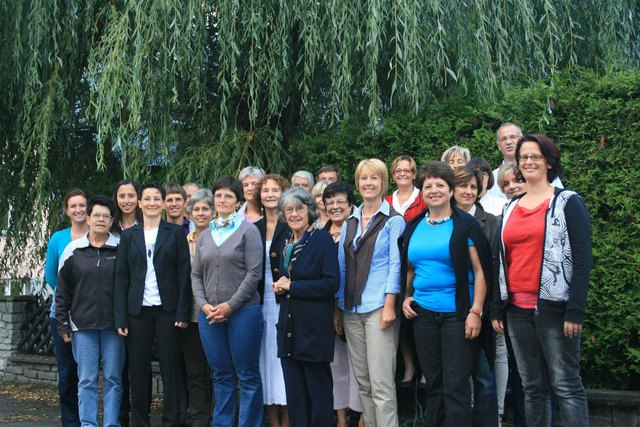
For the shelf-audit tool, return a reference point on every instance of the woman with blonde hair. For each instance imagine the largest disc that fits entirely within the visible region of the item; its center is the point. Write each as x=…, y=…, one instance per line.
x=510, y=183
x=369, y=260
x=316, y=194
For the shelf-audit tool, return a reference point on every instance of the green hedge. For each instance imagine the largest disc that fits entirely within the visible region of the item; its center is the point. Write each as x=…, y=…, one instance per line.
x=596, y=122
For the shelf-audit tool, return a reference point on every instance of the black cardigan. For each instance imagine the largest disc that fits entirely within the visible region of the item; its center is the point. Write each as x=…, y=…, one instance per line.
x=275, y=253
x=464, y=226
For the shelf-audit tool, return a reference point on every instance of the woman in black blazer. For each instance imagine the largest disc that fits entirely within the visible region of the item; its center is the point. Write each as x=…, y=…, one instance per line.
x=153, y=300
x=310, y=279
x=273, y=232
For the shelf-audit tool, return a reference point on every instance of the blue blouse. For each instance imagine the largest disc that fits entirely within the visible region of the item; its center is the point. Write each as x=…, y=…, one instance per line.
x=384, y=274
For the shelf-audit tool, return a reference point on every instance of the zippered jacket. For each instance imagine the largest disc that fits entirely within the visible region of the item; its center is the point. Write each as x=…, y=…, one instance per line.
x=566, y=258
x=85, y=290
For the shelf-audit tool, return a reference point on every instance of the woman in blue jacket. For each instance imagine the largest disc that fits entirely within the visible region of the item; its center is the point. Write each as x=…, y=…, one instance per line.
x=310, y=278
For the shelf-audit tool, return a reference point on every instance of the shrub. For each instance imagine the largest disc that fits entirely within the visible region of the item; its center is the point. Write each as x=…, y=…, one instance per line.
x=596, y=122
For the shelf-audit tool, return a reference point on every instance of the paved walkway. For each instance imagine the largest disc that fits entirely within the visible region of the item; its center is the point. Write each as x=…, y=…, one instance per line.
x=24, y=405
x=36, y=405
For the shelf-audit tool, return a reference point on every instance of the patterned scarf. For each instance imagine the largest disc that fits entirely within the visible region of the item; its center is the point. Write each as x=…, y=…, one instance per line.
x=221, y=223
x=292, y=249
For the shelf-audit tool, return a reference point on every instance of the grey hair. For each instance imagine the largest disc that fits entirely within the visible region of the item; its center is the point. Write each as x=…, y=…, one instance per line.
x=251, y=171
x=296, y=196
x=305, y=175
x=456, y=149
x=504, y=125
x=202, y=195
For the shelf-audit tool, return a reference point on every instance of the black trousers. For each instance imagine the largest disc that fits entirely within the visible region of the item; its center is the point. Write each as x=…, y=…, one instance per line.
x=154, y=323
x=198, y=376
x=309, y=388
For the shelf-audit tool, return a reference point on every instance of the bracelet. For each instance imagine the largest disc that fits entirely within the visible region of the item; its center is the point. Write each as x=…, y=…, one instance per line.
x=476, y=312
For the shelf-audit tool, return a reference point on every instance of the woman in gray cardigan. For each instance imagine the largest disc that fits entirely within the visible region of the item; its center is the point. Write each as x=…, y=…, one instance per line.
x=225, y=273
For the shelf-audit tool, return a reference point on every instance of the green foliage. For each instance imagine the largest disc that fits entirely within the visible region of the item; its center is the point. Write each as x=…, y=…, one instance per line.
x=596, y=121
x=140, y=84
x=202, y=163
x=94, y=91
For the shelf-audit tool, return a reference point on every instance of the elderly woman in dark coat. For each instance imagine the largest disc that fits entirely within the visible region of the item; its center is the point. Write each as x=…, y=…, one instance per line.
x=310, y=278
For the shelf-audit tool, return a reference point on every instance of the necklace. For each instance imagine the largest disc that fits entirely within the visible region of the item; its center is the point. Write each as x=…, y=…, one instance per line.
x=436, y=221
x=368, y=217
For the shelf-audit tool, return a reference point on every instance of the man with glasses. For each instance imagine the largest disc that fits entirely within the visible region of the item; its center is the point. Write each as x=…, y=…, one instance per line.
x=507, y=138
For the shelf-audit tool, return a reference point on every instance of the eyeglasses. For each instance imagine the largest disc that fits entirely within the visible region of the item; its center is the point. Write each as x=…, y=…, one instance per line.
x=101, y=216
x=220, y=196
x=338, y=203
x=533, y=157
x=509, y=137
x=297, y=209
x=403, y=171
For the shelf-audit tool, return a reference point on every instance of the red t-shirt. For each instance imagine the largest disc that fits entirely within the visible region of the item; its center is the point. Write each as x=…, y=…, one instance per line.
x=523, y=238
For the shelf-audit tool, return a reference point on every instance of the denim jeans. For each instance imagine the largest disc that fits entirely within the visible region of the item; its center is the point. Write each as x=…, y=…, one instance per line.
x=501, y=368
x=67, y=378
x=546, y=358
x=517, y=394
x=90, y=346
x=485, y=398
x=233, y=352
x=447, y=359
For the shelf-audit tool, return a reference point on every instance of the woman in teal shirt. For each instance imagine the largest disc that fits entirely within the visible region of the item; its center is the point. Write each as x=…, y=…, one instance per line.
x=75, y=207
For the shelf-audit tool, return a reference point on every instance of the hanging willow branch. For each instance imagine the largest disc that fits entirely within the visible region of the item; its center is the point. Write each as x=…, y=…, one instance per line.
x=141, y=85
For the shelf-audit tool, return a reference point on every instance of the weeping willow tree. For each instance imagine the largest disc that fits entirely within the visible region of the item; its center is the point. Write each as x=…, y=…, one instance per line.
x=94, y=90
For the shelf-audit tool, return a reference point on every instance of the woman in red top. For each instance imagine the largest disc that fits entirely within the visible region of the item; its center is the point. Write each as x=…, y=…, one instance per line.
x=407, y=200
x=545, y=301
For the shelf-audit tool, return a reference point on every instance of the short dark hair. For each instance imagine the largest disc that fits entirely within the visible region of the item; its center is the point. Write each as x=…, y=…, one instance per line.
x=339, y=187
x=436, y=169
x=101, y=200
x=328, y=168
x=464, y=174
x=153, y=185
x=549, y=150
x=230, y=183
x=482, y=164
x=72, y=193
x=176, y=189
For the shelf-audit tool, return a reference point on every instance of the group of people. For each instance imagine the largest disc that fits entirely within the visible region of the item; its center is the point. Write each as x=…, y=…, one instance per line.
x=301, y=299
